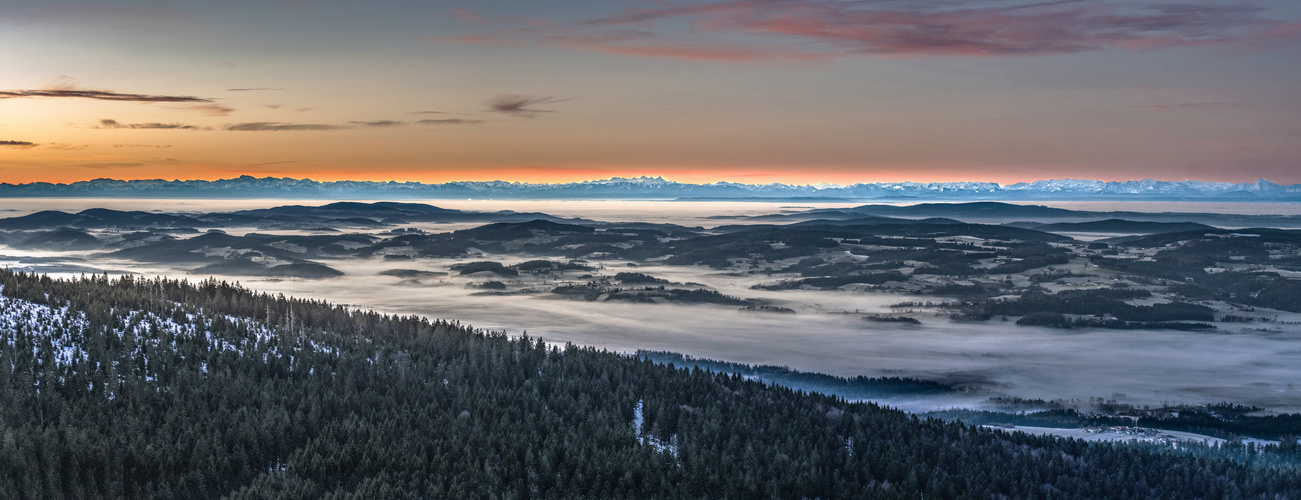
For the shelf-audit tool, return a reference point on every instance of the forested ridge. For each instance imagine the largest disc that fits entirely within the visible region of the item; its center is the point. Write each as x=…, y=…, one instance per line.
x=135, y=388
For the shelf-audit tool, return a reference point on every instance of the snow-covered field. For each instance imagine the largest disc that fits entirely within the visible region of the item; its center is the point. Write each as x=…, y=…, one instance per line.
x=1127, y=434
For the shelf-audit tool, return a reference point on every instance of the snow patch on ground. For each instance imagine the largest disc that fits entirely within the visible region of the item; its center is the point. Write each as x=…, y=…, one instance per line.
x=63, y=338
x=1123, y=434
x=638, y=420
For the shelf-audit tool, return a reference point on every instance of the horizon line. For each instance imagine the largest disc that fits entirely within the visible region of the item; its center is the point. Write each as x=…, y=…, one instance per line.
x=820, y=185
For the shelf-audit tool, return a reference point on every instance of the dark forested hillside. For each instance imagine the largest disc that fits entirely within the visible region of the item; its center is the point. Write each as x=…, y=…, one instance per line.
x=138, y=388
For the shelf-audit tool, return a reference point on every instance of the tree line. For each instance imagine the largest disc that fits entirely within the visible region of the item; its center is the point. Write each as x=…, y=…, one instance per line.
x=157, y=388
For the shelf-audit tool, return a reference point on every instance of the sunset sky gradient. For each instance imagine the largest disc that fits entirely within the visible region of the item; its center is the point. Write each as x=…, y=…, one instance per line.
x=756, y=91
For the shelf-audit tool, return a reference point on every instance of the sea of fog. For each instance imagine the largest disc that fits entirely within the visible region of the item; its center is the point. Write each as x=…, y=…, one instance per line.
x=689, y=213
x=827, y=334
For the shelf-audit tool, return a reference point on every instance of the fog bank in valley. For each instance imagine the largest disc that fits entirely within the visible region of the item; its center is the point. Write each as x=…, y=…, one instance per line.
x=827, y=332
x=828, y=335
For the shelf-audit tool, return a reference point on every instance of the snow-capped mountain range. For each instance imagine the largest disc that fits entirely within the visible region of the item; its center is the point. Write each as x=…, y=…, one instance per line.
x=657, y=188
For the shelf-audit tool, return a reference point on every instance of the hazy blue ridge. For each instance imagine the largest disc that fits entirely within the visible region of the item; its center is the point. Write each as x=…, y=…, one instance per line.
x=655, y=188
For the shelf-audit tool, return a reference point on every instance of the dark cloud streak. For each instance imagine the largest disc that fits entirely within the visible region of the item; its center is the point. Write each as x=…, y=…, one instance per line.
x=521, y=105
x=114, y=124
x=450, y=121
x=98, y=95
x=380, y=123
x=281, y=126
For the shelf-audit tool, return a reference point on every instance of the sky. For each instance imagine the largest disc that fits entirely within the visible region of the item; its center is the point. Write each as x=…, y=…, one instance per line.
x=754, y=91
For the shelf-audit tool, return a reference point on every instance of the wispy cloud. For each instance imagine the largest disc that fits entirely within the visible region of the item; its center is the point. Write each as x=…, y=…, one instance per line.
x=152, y=146
x=114, y=124
x=749, y=30
x=212, y=109
x=287, y=127
x=394, y=123
x=49, y=145
x=449, y=121
x=251, y=89
x=380, y=123
x=280, y=127
x=64, y=147
x=102, y=95
x=521, y=105
x=277, y=126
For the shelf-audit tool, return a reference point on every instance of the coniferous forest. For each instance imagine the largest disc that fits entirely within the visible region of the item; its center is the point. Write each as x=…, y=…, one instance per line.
x=155, y=388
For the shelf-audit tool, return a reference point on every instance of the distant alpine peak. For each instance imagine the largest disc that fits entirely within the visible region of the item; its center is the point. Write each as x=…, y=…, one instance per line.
x=659, y=188
x=643, y=181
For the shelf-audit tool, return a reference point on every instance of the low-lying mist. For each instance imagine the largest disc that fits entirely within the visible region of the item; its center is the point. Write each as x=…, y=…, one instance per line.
x=828, y=335
x=827, y=332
